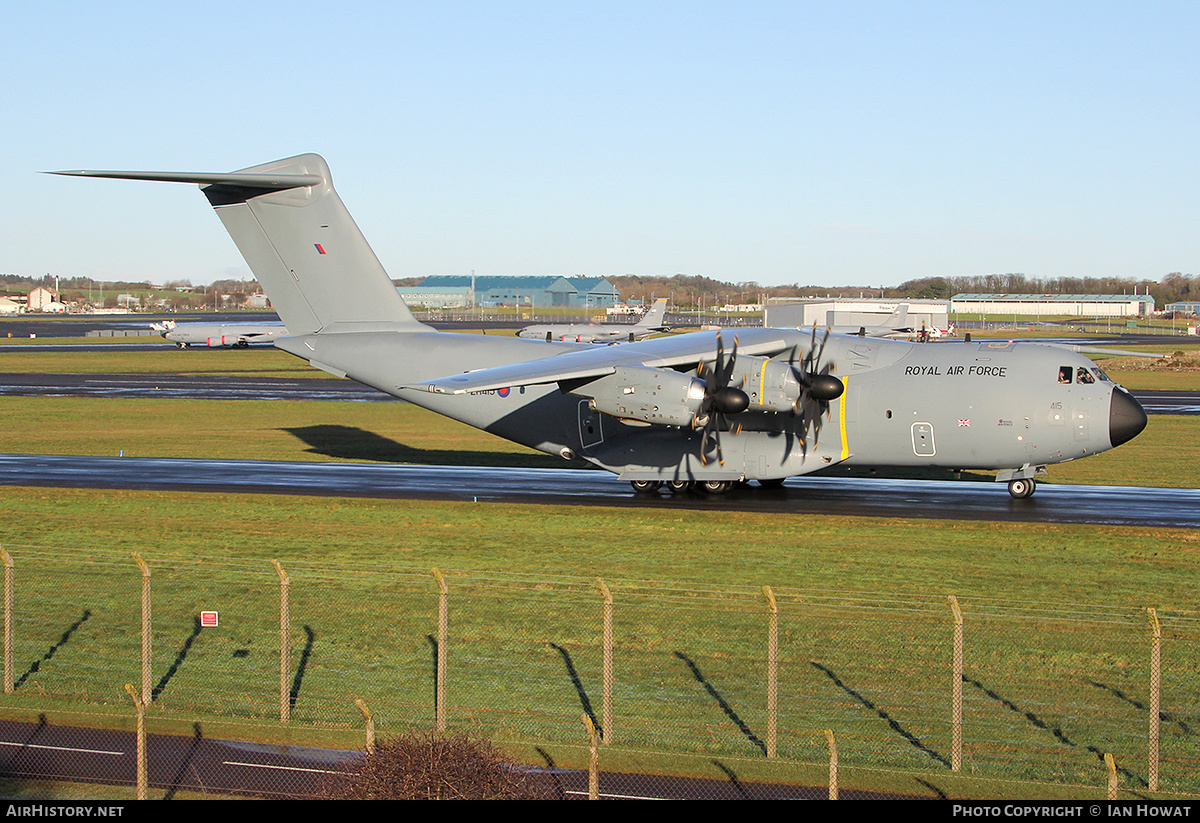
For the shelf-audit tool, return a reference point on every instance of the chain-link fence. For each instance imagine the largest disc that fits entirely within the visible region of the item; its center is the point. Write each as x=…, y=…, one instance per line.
x=272, y=678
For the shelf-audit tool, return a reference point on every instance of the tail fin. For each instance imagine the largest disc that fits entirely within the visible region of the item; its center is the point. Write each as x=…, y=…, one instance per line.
x=898, y=319
x=299, y=241
x=652, y=320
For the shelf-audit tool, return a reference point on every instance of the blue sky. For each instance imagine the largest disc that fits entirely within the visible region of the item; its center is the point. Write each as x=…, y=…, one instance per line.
x=850, y=143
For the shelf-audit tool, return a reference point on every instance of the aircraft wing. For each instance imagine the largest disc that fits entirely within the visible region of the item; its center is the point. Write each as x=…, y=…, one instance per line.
x=682, y=351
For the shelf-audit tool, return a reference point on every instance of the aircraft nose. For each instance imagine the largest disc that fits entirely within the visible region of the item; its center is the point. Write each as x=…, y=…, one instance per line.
x=1126, y=417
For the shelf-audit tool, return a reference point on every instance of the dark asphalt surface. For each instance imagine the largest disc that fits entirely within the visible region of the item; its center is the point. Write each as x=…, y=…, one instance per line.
x=818, y=496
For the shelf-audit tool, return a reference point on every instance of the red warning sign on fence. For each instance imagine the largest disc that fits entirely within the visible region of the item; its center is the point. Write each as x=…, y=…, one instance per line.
x=208, y=619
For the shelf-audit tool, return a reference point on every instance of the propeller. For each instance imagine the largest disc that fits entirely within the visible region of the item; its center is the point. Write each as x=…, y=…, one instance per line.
x=720, y=400
x=818, y=387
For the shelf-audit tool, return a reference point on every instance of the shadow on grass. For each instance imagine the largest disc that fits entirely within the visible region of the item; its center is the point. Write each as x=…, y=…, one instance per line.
x=350, y=443
x=62, y=641
x=179, y=658
x=298, y=680
x=584, y=701
x=1137, y=704
x=900, y=730
x=725, y=707
x=1038, y=723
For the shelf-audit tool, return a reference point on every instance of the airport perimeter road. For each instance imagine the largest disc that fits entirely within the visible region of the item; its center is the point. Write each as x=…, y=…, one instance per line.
x=819, y=496
x=44, y=752
x=200, y=765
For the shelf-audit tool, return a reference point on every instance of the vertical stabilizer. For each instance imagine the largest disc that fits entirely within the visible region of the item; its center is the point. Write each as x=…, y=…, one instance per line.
x=652, y=320
x=307, y=252
x=299, y=241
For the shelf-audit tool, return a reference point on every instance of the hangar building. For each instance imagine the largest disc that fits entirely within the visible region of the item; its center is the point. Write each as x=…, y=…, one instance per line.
x=1075, y=305
x=854, y=312
x=537, y=292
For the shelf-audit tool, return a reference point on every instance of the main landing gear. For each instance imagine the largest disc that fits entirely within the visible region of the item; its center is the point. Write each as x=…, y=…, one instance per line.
x=705, y=486
x=1022, y=487
x=683, y=486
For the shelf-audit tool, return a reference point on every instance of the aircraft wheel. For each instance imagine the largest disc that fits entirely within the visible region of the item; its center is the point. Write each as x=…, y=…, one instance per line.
x=1022, y=487
x=717, y=486
x=679, y=486
x=645, y=486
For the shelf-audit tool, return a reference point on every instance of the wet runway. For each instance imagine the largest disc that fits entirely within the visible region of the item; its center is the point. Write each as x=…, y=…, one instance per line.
x=206, y=387
x=824, y=497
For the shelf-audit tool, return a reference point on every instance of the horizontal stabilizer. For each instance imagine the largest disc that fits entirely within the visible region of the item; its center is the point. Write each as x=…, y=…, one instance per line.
x=265, y=182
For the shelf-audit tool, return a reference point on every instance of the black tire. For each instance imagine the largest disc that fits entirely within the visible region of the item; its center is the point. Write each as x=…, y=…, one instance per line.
x=1022, y=487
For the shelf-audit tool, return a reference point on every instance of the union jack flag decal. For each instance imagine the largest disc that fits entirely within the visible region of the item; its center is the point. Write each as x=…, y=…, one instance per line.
x=964, y=422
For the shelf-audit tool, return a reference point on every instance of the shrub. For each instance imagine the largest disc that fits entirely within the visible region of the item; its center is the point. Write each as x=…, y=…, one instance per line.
x=428, y=766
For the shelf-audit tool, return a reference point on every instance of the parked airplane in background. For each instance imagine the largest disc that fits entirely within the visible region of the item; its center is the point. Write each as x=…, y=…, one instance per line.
x=235, y=335
x=897, y=327
x=651, y=323
x=700, y=410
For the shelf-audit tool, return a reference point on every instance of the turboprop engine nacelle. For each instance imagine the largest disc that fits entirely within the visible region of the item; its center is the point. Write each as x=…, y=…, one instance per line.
x=661, y=396
x=771, y=385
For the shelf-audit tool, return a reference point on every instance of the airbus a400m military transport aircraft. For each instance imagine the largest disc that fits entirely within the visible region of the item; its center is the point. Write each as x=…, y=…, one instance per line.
x=696, y=410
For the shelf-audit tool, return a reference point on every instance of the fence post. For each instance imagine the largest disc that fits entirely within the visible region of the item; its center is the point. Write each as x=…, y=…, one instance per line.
x=607, y=688
x=772, y=670
x=8, y=620
x=956, y=690
x=146, y=696
x=370, y=724
x=141, y=741
x=593, y=759
x=443, y=636
x=833, y=764
x=285, y=646
x=1155, y=695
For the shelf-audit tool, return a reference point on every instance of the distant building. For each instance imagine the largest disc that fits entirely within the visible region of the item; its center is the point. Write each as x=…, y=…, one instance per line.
x=852, y=311
x=1184, y=307
x=44, y=299
x=535, y=291
x=1072, y=305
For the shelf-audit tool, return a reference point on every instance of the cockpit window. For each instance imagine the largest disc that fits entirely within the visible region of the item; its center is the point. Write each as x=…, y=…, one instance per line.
x=1064, y=374
x=1085, y=376
x=1100, y=373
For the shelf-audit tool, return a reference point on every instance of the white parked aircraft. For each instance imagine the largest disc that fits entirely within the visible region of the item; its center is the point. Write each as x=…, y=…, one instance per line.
x=228, y=335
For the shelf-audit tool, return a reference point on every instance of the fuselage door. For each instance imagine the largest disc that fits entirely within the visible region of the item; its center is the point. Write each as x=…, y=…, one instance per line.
x=591, y=429
x=922, y=438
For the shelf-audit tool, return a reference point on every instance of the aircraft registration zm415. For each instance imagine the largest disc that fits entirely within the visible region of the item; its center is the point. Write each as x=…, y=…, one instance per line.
x=701, y=410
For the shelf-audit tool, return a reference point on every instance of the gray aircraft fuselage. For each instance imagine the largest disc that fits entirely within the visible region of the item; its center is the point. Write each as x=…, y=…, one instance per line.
x=978, y=405
x=224, y=335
